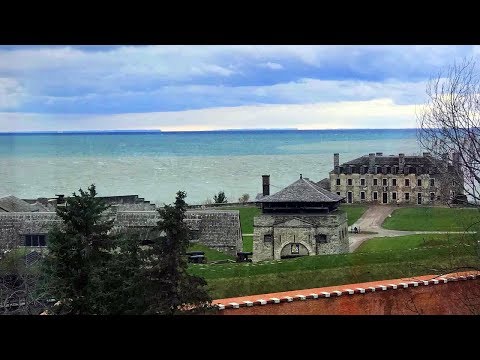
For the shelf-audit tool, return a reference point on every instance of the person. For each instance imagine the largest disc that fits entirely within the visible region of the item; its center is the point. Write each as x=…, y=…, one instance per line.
x=355, y=230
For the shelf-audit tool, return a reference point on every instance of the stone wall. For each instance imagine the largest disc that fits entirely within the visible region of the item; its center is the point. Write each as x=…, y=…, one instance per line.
x=400, y=189
x=214, y=228
x=288, y=230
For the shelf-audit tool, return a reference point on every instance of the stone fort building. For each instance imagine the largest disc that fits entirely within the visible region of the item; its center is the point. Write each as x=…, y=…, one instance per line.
x=27, y=222
x=301, y=219
x=397, y=179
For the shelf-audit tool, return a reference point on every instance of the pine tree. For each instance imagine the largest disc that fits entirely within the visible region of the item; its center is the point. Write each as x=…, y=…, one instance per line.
x=171, y=289
x=77, y=249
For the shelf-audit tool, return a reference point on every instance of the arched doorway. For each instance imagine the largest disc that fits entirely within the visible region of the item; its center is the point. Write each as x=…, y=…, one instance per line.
x=293, y=250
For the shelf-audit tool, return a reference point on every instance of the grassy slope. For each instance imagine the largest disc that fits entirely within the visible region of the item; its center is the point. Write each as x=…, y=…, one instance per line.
x=415, y=241
x=238, y=279
x=432, y=219
x=353, y=212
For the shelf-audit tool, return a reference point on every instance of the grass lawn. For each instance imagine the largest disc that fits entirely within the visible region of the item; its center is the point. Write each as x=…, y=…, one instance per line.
x=247, y=243
x=432, y=219
x=237, y=279
x=353, y=212
x=247, y=213
x=415, y=241
x=211, y=254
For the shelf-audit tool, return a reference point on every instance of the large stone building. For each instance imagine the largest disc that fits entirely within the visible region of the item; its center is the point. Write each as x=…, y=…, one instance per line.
x=301, y=219
x=396, y=179
x=24, y=225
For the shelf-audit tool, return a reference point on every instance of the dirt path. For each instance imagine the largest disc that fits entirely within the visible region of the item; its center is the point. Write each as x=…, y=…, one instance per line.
x=371, y=222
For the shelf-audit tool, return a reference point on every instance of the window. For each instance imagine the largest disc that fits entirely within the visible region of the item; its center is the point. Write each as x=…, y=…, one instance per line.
x=349, y=181
x=419, y=182
x=321, y=239
x=338, y=193
x=375, y=195
x=432, y=182
x=432, y=196
x=375, y=181
x=267, y=238
x=419, y=198
x=384, y=182
x=35, y=240
x=407, y=196
x=362, y=182
x=394, y=196
x=362, y=195
x=407, y=182
x=394, y=182
x=338, y=181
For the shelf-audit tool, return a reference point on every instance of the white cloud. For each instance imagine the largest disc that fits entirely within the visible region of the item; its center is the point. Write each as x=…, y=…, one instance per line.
x=11, y=93
x=378, y=113
x=272, y=66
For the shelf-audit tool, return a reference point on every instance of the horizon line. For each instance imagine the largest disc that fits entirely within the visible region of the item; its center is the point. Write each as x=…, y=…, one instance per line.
x=186, y=131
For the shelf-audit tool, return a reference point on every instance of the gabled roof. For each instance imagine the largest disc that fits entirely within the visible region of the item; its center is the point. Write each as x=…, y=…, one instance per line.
x=302, y=190
x=324, y=183
x=13, y=204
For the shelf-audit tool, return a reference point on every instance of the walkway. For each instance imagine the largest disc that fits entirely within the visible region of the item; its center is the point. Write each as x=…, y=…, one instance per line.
x=370, y=225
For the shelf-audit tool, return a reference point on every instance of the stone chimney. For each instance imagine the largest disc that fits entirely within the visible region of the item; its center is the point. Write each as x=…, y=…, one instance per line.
x=401, y=163
x=371, y=163
x=336, y=162
x=266, y=185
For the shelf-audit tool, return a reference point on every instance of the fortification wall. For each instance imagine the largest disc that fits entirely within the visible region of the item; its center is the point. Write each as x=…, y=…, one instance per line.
x=425, y=295
x=214, y=228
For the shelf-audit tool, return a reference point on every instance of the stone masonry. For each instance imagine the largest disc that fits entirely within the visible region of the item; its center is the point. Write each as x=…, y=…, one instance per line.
x=287, y=230
x=218, y=229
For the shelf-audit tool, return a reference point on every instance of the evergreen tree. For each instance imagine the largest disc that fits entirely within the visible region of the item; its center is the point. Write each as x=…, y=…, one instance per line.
x=76, y=250
x=170, y=288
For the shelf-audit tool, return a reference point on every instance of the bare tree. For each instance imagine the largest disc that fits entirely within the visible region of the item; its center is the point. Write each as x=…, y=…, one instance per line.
x=449, y=125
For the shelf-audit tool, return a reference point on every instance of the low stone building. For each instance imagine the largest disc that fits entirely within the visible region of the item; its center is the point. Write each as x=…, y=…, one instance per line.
x=218, y=229
x=301, y=219
x=397, y=179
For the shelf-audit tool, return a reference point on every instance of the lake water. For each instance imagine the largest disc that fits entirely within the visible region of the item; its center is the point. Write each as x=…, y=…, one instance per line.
x=157, y=165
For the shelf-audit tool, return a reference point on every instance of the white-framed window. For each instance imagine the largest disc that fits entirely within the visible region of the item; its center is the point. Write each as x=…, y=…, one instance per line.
x=362, y=182
x=349, y=181
x=338, y=181
x=375, y=195
x=362, y=195
x=394, y=182
x=407, y=196
x=394, y=196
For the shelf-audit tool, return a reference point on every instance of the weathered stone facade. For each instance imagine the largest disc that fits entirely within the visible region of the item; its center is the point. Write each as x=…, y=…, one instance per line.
x=394, y=180
x=317, y=234
x=218, y=229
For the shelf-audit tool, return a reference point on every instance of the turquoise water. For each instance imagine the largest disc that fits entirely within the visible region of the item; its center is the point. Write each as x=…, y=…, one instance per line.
x=156, y=165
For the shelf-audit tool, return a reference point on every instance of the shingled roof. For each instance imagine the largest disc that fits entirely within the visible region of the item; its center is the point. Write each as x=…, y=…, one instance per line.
x=389, y=160
x=13, y=204
x=302, y=190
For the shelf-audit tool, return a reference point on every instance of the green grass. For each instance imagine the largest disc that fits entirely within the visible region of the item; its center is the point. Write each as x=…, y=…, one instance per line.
x=353, y=212
x=237, y=279
x=415, y=241
x=247, y=213
x=210, y=254
x=432, y=219
x=247, y=243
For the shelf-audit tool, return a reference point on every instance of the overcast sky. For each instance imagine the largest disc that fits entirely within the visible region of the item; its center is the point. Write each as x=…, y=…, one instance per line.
x=216, y=87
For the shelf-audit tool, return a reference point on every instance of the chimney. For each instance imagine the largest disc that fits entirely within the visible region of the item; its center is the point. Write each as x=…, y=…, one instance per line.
x=266, y=185
x=379, y=153
x=300, y=176
x=371, y=163
x=401, y=163
x=336, y=162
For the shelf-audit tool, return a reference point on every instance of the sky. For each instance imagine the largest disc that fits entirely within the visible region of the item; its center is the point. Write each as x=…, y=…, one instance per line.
x=196, y=87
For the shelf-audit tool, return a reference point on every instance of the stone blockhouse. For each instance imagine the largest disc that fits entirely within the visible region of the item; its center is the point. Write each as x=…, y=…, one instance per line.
x=218, y=229
x=301, y=219
x=397, y=179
